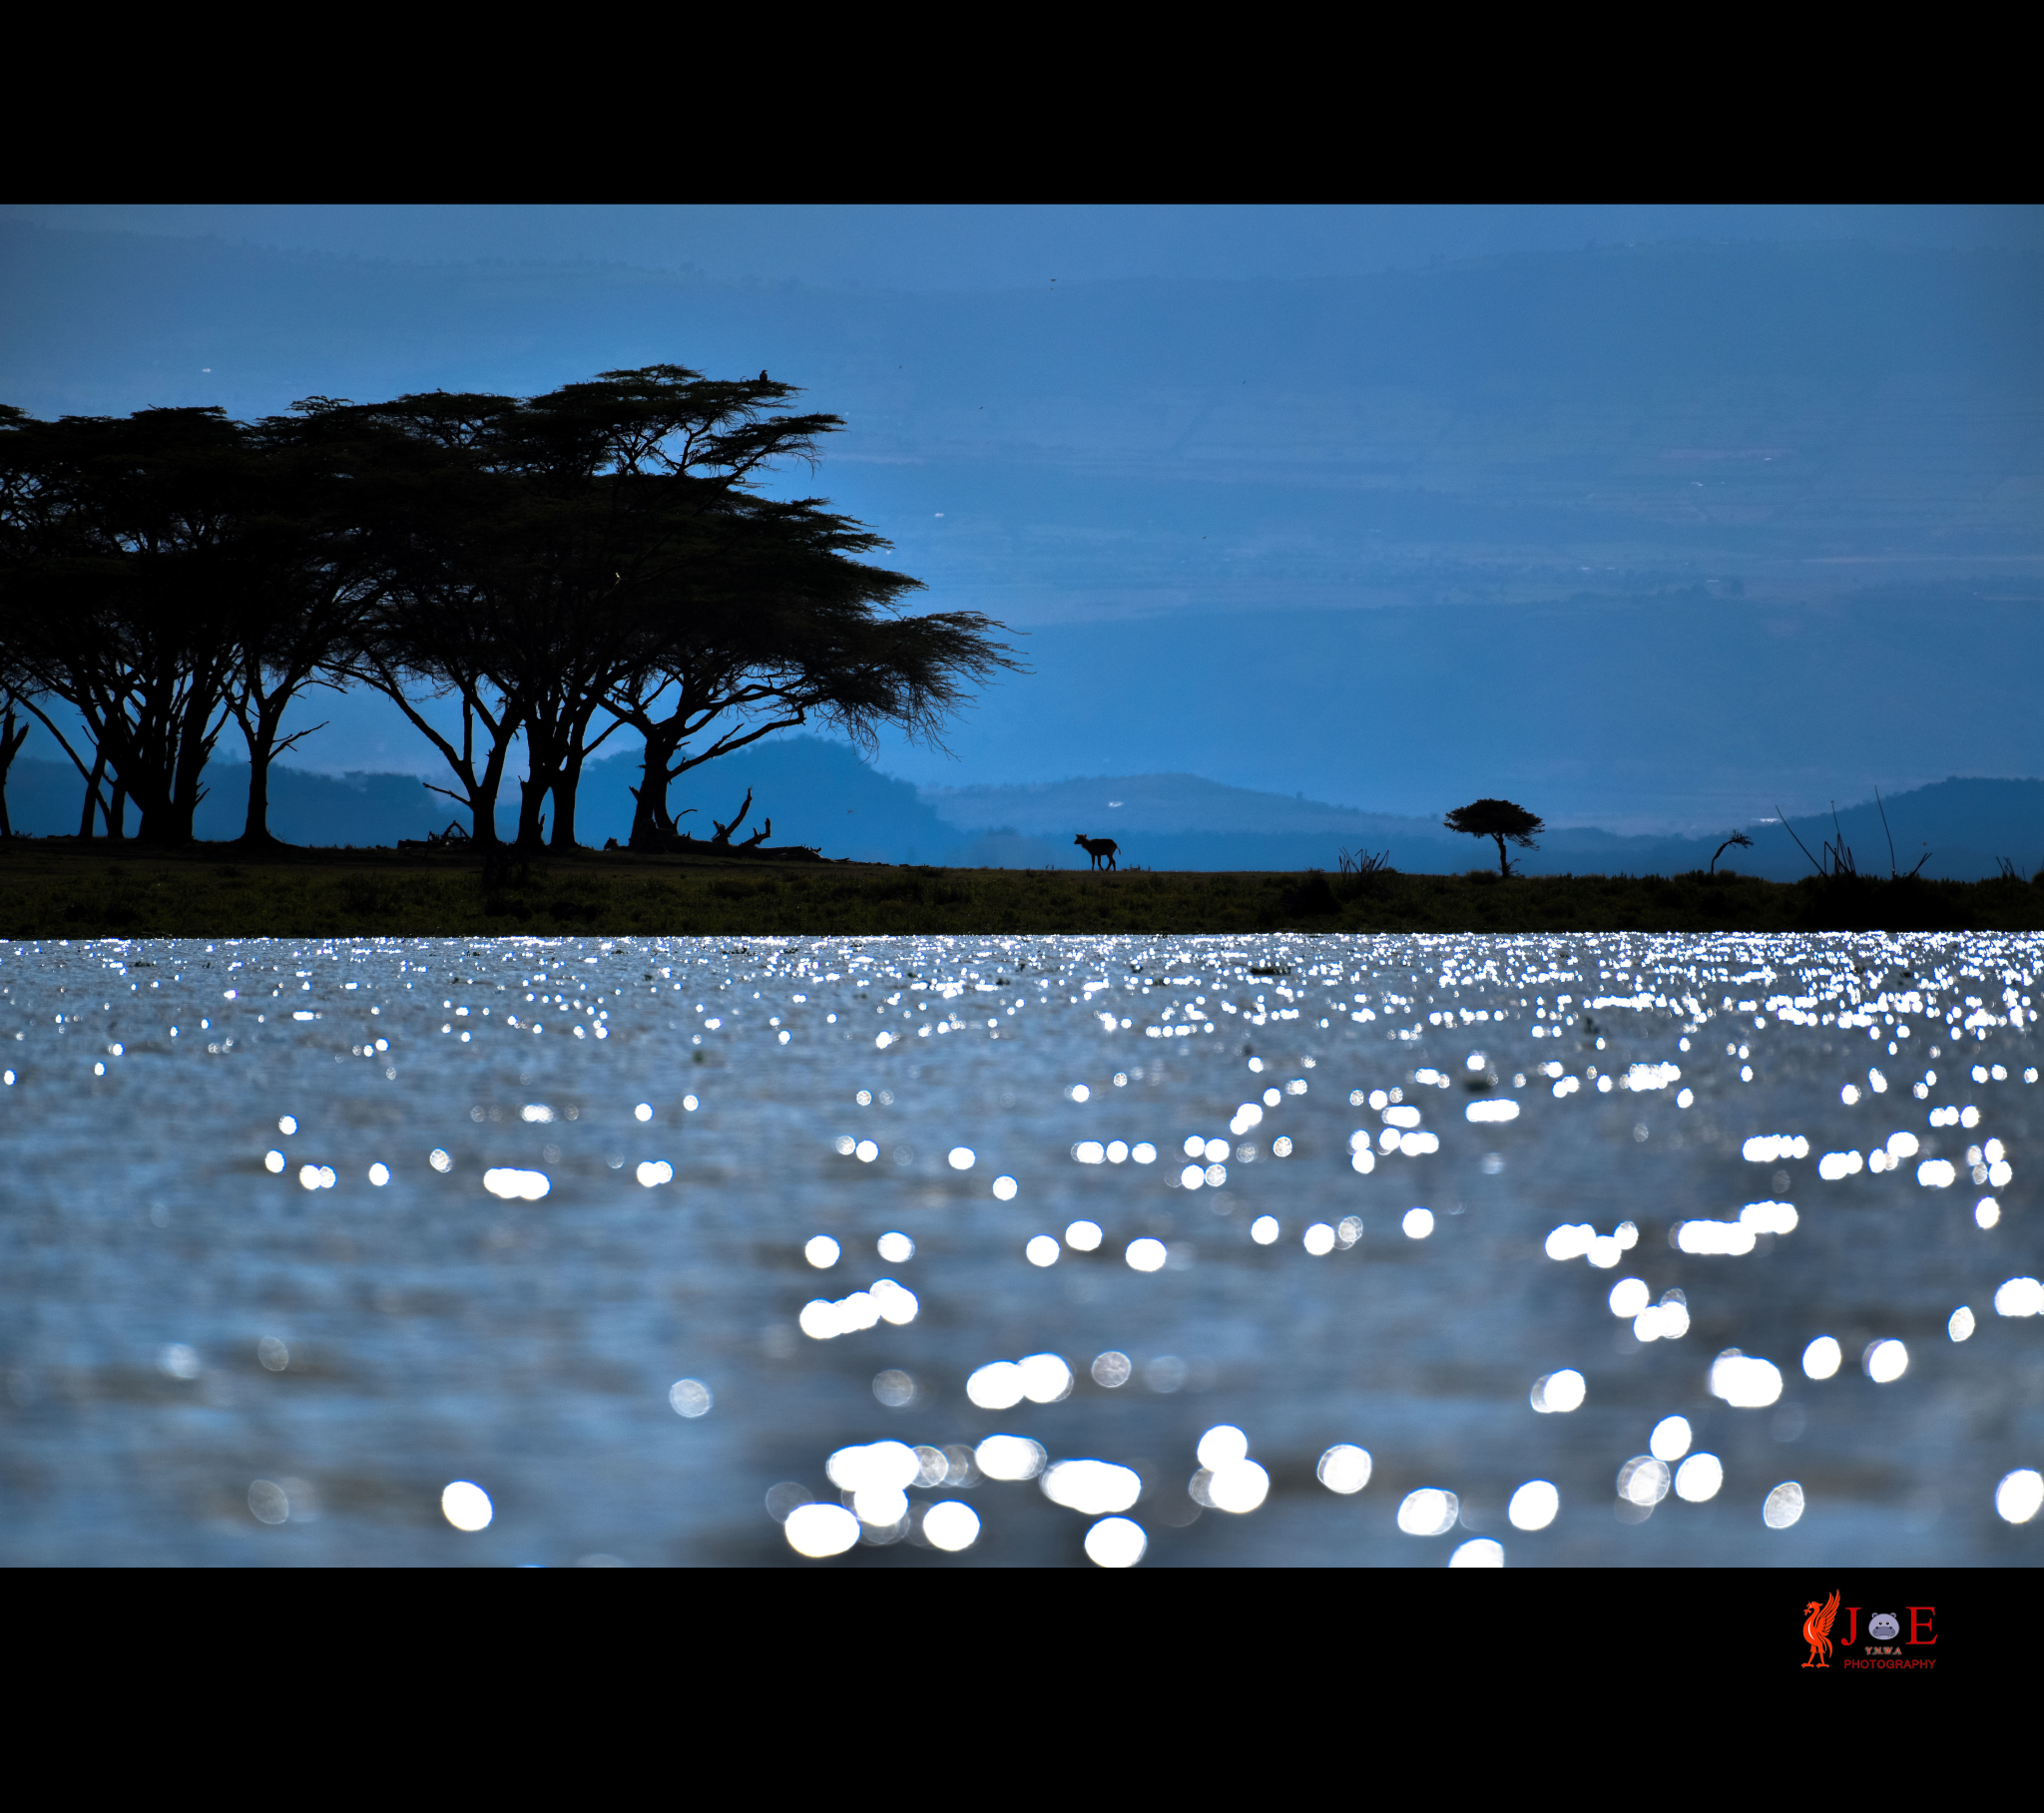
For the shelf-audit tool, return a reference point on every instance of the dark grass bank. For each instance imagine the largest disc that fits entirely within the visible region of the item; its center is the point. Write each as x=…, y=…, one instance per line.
x=59, y=889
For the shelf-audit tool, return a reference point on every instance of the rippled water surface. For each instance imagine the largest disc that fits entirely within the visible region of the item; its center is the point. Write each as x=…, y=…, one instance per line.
x=1293, y=1250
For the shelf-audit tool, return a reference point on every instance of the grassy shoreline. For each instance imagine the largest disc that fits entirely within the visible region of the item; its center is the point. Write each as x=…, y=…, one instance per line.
x=59, y=888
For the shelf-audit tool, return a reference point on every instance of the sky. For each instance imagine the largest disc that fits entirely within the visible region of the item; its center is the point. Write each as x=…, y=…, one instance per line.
x=1647, y=515
x=981, y=247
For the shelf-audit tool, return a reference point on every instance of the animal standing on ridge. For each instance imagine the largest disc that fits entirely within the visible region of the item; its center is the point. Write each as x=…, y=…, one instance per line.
x=1099, y=848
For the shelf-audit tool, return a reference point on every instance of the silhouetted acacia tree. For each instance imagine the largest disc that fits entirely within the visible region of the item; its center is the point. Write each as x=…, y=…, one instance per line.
x=12, y=737
x=1738, y=841
x=519, y=549
x=429, y=504
x=1500, y=819
x=25, y=548
x=313, y=581
x=169, y=571
x=124, y=569
x=595, y=556
x=645, y=477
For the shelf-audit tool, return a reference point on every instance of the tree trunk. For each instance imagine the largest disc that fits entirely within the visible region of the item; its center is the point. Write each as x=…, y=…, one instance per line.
x=261, y=736
x=483, y=799
x=93, y=805
x=256, y=823
x=117, y=812
x=645, y=799
x=652, y=825
x=1504, y=862
x=149, y=774
x=566, y=781
x=478, y=794
x=170, y=825
x=532, y=824
x=543, y=751
x=11, y=740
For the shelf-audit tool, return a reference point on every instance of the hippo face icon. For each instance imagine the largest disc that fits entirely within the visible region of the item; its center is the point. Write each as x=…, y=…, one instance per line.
x=1882, y=1625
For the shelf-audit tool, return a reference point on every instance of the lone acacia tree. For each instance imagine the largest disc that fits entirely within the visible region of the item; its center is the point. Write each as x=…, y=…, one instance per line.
x=1500, y=819
x=1738, y=841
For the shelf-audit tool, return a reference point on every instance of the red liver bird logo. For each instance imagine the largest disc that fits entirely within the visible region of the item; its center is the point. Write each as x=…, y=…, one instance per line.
x=1816, y=1631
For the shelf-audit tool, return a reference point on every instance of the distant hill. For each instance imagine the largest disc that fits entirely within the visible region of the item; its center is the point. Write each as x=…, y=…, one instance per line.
x=1157, y=802
x=822, y=794
x=817, y=793
x=1960, y=829
x=45, y=797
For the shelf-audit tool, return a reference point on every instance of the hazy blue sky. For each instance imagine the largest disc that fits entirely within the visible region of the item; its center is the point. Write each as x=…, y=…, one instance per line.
x=962, y=248
x=1643, y=515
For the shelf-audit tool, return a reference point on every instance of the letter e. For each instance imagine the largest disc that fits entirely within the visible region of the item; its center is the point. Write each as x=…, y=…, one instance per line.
x=1916, y=1623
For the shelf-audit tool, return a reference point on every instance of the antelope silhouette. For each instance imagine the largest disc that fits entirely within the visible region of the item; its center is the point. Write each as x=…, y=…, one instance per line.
x=1099, y=848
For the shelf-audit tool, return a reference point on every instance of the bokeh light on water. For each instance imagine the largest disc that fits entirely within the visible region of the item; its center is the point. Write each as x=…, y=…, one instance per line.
x=909, y=1252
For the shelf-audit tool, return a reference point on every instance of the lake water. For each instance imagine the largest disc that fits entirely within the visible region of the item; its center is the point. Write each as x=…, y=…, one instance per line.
x=1387, y=1252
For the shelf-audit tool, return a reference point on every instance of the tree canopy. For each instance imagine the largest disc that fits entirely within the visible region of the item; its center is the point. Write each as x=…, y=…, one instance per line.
x=131, y=558
x=1500, y=819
